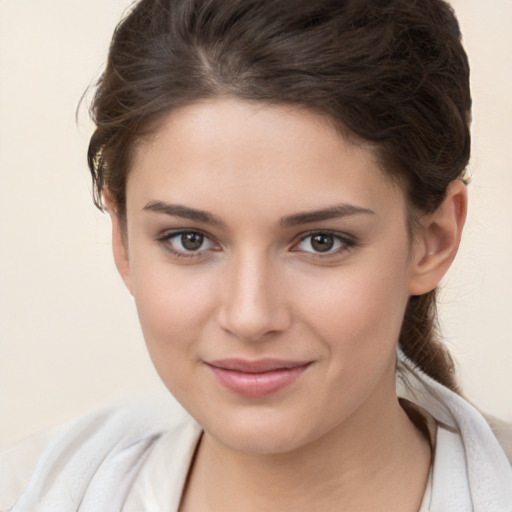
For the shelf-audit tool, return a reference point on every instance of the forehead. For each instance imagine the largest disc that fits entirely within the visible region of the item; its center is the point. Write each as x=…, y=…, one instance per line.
x=250, y=154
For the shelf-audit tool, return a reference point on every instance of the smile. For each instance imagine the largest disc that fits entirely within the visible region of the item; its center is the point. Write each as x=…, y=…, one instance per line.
x=256, y=378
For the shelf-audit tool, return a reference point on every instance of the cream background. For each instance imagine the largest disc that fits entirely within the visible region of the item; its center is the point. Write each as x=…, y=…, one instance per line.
x=69, y=338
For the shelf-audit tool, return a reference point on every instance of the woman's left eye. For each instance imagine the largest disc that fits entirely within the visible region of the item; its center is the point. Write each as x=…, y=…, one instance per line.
x=323, y=242
x=186, y=243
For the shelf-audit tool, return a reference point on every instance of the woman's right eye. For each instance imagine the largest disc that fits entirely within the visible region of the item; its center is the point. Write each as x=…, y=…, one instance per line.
x=186, y=243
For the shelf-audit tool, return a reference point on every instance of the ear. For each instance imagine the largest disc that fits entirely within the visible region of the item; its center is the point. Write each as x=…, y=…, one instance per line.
x=437, y=242
x=119, y=241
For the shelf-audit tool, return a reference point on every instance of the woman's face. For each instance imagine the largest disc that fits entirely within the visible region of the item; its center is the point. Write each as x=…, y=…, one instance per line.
x=270, y=263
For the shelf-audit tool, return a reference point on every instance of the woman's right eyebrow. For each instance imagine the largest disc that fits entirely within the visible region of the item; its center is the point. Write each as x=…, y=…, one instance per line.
x=185, y=212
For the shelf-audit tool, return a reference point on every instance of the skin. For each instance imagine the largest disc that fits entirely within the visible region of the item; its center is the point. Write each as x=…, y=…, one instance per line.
x=336, y=438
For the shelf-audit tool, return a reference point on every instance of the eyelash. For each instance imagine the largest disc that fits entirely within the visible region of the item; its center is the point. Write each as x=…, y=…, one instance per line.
x=165, y=241
x=346, y=243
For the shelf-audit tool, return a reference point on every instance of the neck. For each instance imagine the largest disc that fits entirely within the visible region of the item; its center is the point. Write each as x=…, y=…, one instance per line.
x=376, y=457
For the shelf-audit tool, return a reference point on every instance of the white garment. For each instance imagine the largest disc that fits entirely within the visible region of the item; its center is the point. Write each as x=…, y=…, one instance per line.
x=132, y=460
x=471, y=472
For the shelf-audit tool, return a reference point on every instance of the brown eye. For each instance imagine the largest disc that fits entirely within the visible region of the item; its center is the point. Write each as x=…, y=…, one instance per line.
x=187, y=243
x=192, y=241
x=322, y=242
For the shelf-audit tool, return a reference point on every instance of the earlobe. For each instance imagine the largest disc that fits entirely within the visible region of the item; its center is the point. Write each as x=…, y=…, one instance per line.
x=436, y=245
x=119, y=242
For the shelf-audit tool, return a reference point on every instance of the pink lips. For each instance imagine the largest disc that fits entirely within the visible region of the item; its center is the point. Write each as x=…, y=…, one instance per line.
x=256, y=378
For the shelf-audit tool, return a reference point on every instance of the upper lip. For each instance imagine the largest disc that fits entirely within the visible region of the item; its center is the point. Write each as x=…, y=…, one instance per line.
x=258, y=366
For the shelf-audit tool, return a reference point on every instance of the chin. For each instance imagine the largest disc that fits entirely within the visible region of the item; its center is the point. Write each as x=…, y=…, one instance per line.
x=258, y=442
x=259, y=432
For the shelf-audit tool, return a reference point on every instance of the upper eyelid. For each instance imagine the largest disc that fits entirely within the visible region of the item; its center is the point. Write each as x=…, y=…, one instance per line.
x=337, y=234
x=167, y=235
x=170, y=233
x=164, y=240
x=347, y=242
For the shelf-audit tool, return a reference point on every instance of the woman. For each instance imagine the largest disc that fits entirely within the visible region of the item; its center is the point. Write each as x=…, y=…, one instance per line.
x=286, y=187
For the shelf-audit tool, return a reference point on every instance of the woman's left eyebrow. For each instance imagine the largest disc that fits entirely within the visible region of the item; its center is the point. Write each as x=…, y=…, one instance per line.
x=333, y=212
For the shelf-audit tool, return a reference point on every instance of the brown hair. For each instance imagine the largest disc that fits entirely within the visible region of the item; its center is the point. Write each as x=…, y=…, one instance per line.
x=389, y=72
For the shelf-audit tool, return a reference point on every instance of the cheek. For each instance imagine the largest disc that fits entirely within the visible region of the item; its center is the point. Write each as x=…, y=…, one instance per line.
x=359, y=312
x=357, y=319
x=174, y=306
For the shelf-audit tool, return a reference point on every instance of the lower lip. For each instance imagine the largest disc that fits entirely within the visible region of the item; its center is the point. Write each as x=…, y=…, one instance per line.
x=257, y=384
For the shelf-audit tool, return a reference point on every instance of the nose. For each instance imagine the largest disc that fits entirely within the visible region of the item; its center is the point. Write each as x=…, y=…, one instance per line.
x=254, y=300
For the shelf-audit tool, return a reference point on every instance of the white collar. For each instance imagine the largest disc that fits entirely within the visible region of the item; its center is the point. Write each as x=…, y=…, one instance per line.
x=480, y=475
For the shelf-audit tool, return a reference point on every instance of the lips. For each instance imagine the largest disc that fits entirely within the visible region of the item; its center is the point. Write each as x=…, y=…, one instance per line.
x=256, y=378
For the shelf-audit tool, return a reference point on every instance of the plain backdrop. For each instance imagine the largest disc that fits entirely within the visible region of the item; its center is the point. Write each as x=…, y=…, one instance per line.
x=69, y=336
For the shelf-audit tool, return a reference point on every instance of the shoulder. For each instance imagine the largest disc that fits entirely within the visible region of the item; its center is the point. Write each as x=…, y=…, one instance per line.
x=503, y=432
x=103, y=449
x=17, y=464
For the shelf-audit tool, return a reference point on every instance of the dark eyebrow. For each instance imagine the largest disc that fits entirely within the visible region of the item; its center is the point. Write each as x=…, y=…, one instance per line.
x=185, y=212
x=177, y=210
x=333, y=212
